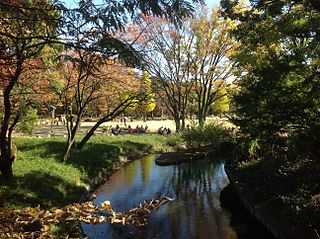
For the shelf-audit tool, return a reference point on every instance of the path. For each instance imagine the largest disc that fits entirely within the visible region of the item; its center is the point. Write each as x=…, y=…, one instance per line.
x=60, y=130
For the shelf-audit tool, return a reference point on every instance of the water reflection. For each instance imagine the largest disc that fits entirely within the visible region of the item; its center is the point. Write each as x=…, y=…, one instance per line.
x=196, y=212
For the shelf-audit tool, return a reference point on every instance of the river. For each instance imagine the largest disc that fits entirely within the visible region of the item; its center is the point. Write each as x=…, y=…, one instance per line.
x=195, y=213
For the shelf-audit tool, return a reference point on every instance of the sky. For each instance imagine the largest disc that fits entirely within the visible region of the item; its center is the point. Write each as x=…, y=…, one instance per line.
x=213, y=3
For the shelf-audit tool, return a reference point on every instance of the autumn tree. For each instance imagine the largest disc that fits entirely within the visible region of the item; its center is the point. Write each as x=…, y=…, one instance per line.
x=149, y=103
x=121, y=89
x=191, y=57
x=221, y=103
x=87, y=78
x=25, y=28
x=211, y=66
x=97, y=28
x=167, y=48
x=77, y=88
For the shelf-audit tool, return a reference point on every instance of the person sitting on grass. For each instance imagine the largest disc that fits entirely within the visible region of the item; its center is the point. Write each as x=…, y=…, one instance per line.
x=136, y=130
x=116, y=131
x=129, y=129
x=142, y=130
x=160, y=130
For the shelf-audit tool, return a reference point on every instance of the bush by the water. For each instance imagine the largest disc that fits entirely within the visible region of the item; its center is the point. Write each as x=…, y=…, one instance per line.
x=210, y=134
x=174, y=140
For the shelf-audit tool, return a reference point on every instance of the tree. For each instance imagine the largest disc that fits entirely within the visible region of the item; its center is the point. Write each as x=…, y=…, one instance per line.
x=167, y=48
x=80, y=71
x=186, y=58
x=121, y=89
x=279, y=60
x=93, y=38
x=24, y=31
x=221, y=102
x=211, y=66
x=149, y=103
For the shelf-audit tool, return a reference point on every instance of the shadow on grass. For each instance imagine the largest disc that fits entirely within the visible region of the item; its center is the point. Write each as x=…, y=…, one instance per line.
x=97, y=156
x=38, y=188
x=91, y=159
x=43, y=148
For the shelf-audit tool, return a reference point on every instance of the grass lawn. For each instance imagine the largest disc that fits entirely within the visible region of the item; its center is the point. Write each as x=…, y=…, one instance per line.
x=40, y=177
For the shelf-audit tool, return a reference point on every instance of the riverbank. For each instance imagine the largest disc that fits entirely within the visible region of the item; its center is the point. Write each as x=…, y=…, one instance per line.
x=242, y=221
x=283, y=195
x=42, y=179
x=184, y=155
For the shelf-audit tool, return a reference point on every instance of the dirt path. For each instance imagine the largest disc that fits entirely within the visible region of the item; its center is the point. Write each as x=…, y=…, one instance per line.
x=47, y=130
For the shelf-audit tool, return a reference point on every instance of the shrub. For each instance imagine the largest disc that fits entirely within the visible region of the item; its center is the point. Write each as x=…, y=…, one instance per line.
x=174, y=140
x=29, y=119
x=211, y=134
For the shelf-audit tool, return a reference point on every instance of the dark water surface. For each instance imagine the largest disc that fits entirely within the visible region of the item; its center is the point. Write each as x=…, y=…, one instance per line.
x=195, y=213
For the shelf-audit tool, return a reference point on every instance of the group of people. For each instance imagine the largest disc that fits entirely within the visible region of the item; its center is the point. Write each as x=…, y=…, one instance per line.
x=117, y=130
x=164, y=131
x=138, y=129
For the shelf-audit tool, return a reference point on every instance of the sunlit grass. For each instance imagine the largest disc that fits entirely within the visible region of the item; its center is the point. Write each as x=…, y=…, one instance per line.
x=41, y=178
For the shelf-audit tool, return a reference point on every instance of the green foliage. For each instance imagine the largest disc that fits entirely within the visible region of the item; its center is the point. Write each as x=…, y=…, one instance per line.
x=248, y=148
x=210, y=134
x=149, y=103
x=175, y=141
x=279, y=92
x=290, y=187
x=277, y=103
x=221, y=103
x=28, y=120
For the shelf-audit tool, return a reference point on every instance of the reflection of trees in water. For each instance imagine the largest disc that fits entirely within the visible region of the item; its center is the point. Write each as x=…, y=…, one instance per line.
x=197, y=212
x=131, y=172
x=146, y=166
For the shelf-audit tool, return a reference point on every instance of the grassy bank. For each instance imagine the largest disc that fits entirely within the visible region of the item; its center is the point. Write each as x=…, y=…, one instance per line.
x=42, y=179
x=285, y=192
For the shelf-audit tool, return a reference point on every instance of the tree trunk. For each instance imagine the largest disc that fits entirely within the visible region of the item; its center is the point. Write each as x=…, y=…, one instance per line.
x=72, y=131
x=183, y=121
x=111, y=115
x=68, y=149
x=6, y=166
x=202, y=116
x=200, y=119
x=5, y=149
x=178, y=125
x=89, y=134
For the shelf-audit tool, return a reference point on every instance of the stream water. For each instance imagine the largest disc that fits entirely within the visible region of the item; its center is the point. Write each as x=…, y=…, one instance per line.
x=195, y=213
